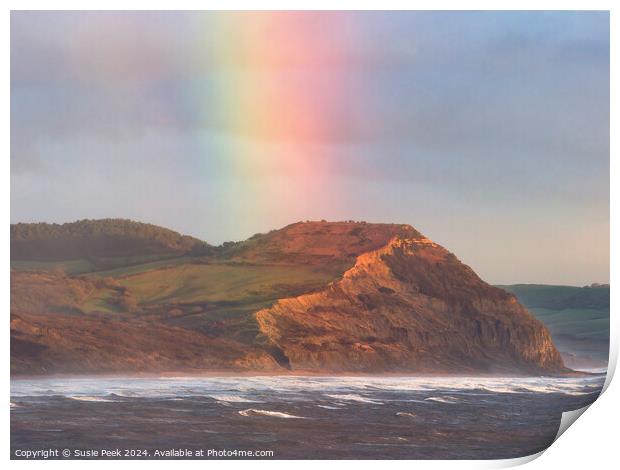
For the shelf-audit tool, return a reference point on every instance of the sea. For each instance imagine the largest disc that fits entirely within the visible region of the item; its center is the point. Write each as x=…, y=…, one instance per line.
x=290, y=417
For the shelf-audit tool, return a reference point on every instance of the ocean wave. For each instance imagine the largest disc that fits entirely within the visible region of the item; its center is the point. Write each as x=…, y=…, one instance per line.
x=120, y=393
x=273, y=414
x=327, y=407
x=353, y=397
x=233, y=399
x=445, y=399
x=15, y=405
x=406, y=414
x=350, y=389
x=88, y=398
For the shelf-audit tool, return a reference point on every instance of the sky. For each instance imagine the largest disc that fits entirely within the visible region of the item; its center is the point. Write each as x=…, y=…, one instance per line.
x=486, y=131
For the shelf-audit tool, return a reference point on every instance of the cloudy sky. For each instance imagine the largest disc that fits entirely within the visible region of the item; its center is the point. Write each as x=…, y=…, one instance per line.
x=488, y=132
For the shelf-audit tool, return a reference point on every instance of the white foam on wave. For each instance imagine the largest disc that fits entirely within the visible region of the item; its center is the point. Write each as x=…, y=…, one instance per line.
x=14, y=405
x=327, y=407
x=233, y=399
x=347, y=390
x=87, y=398
x=406, y=414
x=273, y=414
x=353, y=397
x=446, y=399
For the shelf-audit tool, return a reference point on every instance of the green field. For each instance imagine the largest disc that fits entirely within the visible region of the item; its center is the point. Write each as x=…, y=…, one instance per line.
x=190, y=290
x=76, y=266
x=561, y=297
x=218, y=297
x=580, y=323
x=203, y=283
x=101, y=266
x=202, y=293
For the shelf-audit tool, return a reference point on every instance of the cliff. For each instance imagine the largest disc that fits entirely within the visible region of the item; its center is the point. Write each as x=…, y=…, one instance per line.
x=410, y=306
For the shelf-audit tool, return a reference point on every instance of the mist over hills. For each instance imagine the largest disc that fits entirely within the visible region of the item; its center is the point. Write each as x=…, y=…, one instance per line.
x=577, y=318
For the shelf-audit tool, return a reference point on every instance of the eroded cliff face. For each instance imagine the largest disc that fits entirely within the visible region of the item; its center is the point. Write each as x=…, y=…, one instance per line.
x=410, y=306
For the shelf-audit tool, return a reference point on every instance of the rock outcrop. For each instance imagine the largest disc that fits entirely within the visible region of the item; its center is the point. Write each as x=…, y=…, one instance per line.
x=410, y=306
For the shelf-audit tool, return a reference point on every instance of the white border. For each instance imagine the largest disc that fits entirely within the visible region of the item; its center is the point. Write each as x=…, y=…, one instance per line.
x=593, y=442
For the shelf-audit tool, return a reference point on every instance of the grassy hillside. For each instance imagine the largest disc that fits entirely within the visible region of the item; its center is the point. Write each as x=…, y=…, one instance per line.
x=101, y=266
x=561, y=297
x=92, y=241
x=577, y=318
x=221, y=290
x=162, y=282
x=185, y=282
x=317, y=243
x=56, y=293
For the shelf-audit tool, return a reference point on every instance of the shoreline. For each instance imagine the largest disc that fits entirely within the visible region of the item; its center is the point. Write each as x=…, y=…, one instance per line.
x=164, y=375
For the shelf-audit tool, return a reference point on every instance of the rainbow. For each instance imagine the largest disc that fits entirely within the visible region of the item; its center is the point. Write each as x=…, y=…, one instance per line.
x=265, y=85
